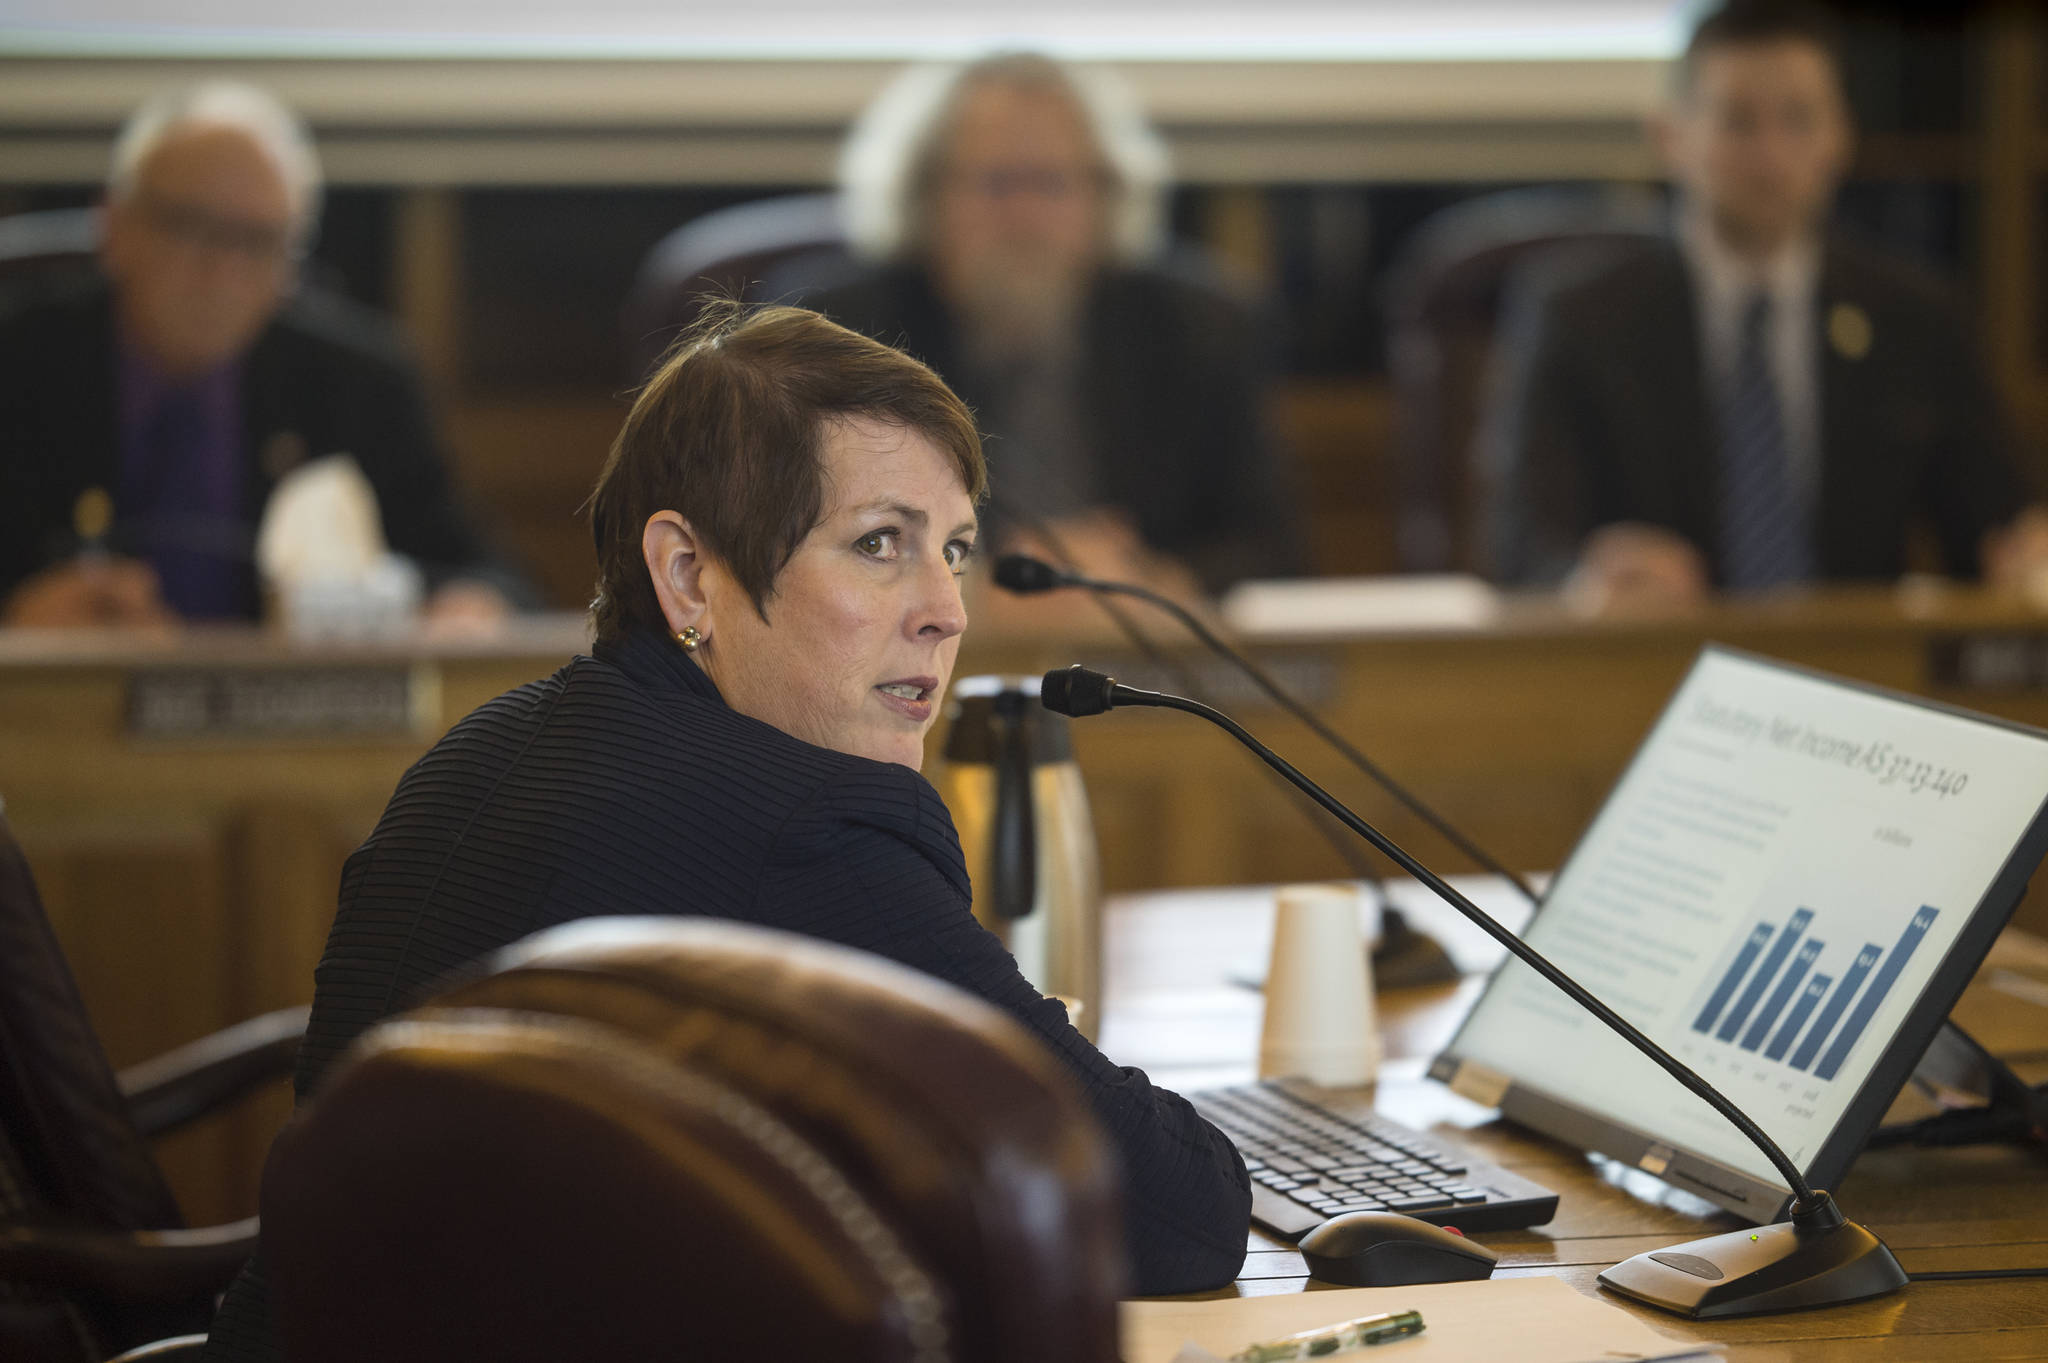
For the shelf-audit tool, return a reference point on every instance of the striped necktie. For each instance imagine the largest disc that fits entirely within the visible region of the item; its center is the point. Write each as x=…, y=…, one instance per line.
x=1765, y=539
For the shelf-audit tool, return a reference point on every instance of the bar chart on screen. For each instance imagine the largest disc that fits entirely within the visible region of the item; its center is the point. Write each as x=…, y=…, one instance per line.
x=1768, y=898
x=1800, y=991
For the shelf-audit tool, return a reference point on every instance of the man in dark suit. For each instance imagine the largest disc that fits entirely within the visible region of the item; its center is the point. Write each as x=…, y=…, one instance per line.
x=150, y=409
x=1008, y=222
x=1751, y=401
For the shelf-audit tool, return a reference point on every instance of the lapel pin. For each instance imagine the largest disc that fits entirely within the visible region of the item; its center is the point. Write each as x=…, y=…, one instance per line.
x=1849, y=331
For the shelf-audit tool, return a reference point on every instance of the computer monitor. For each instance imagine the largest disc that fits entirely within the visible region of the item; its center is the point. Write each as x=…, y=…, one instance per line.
x=1788, y=888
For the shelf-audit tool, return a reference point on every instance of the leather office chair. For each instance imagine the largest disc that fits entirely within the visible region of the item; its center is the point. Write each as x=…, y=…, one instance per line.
x=1449, y=291
x=94, y=1256
x=724, y=254
x=47, y=243
x=52, y=247
x=673, y=1138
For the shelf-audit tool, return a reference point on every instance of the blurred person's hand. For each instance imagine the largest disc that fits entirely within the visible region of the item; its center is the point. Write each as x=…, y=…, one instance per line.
x=2015, y=555
x=1100, y=543
x=465, y=608
x=90, y=590
x=1631, y=568
x=1104, y=543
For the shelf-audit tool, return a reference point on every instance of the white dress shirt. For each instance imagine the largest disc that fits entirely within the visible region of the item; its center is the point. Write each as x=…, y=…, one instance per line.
x=1723, y=284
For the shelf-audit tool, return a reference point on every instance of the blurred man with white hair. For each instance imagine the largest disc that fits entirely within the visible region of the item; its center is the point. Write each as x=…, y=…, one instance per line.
x=150, y=409
x=1006, y=216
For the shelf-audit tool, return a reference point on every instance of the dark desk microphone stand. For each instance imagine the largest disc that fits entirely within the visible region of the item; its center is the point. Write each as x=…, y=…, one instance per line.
x=1814, y=1258
x=1403, y=956
x=1028, y=576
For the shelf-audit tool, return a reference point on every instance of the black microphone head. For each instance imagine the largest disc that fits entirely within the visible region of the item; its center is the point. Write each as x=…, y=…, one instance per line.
x=1023, y=573
x=1076, y=691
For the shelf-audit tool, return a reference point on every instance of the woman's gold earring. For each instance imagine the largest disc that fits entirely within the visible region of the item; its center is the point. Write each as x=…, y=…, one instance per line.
x=689, y=639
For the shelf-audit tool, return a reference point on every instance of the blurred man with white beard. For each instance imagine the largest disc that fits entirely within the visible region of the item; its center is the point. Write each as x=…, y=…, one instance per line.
x=1006, y=214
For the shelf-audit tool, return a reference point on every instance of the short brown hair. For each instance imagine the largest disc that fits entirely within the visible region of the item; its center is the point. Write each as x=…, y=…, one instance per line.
x=1761, y=23
x=728, y=432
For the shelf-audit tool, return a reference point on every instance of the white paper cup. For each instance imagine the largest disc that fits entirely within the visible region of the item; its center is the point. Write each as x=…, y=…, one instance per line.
x=1320, y=1023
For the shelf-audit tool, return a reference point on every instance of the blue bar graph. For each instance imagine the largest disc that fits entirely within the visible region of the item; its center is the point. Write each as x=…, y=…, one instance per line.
x=1880, y=984
x=1801, y=1010
x=1838, y=1003
x=1809, y=951
x=1761, y=981
x=1725, y=990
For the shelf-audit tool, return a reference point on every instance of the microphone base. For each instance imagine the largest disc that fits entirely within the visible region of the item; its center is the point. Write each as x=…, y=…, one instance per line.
x=1816, y=1259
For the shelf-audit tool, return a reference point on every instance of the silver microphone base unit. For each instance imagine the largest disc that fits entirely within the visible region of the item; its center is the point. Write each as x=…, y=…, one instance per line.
x=1815, y=1259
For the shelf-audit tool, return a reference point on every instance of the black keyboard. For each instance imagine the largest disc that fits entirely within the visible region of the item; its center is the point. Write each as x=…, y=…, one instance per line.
x=1309, y=1164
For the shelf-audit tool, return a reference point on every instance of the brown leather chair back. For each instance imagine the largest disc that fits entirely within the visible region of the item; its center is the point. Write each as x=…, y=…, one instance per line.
x=673, y=1138
x=69, y=1154
x=1450, y=287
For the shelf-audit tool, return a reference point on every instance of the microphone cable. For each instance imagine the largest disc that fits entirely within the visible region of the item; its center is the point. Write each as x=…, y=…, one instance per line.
x=1022, y=573
x=1118, y=616
x=1961, y=1274
x=1332, y=832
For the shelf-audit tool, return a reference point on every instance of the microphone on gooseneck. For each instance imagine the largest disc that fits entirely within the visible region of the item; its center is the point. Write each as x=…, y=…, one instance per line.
x=1006, y=574
x=1128, y=627
x=1815, y=1258
x=1024, y=574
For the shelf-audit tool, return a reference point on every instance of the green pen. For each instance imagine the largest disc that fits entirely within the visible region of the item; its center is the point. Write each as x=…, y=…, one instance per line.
x=1333, y=1339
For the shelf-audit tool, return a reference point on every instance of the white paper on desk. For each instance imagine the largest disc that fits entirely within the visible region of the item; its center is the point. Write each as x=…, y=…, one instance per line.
x=1529, y=1320
x=321, y=523
x=1347, y=605
x=321, y=551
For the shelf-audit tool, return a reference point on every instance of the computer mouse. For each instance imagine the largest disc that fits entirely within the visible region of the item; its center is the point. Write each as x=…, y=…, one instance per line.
x=1387, y=1249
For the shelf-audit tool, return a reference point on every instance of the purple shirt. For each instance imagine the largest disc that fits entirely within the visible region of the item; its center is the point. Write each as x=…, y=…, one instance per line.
x=179, y=490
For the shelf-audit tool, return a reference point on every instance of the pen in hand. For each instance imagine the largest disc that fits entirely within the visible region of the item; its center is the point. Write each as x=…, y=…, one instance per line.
x=1333, y=1339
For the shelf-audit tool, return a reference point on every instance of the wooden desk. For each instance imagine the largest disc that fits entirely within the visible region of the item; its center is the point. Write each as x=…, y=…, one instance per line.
x=1172, y=1009
x=191, y=876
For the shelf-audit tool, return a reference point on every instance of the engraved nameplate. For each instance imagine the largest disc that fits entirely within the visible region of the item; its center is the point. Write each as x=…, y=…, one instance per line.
x=281, y=702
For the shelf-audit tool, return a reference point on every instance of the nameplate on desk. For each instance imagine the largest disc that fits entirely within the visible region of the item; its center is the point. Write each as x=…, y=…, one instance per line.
x=1989, y=660
x=244, y=703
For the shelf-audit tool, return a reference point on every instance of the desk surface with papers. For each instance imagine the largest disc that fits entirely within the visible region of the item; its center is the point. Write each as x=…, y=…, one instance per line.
x=1176, y=1006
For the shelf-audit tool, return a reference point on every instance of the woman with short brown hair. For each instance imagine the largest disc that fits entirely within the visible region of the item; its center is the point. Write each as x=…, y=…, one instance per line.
x=780, y=529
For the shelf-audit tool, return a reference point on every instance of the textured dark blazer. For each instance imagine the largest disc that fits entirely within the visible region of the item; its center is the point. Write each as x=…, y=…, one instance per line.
x=1173, y=373
x=324, y=377
x=1604, y=416
x=624, y=784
